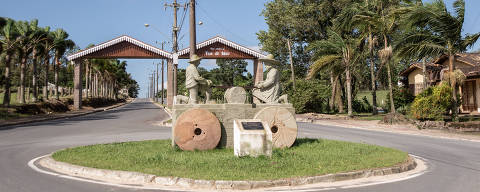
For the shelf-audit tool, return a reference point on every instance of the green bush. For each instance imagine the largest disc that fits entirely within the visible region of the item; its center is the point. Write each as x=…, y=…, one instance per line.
x=310, y=96
x=433, y=103
x=402, y=98
x=361, y=106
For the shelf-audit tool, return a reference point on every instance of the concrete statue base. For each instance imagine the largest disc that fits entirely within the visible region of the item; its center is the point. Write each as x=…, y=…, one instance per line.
x=226, y=114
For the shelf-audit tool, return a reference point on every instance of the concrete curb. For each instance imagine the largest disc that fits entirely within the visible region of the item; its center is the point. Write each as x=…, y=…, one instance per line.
x=135, y=178
x=164, y=123
x=5, y=125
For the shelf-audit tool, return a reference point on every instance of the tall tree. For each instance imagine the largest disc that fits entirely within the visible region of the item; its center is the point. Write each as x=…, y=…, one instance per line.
x=300, y=21
x=61, y=44
x=9, y=43
x=38, y=36
x=336, y=50
x=445, y=37
x=47, y=46
x=24, y=49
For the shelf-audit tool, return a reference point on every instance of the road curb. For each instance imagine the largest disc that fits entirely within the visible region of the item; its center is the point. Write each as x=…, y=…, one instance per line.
x=166, y=111
x=135, y=178
x=5, y=125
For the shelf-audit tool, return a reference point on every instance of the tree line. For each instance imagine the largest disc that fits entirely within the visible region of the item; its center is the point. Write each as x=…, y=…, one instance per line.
x=352, y=45
x=35, y=56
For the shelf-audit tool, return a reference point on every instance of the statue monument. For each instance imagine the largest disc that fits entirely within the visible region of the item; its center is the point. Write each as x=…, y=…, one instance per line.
x=202, y=126
x=195, y=83
x=268, y=91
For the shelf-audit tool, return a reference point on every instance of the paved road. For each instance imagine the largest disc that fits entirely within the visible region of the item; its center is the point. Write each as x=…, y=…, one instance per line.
x=453, y=165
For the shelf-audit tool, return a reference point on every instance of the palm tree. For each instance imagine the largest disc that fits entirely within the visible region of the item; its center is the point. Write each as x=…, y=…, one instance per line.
x=61, y=44
x=353, y=18
x=29, y=36
x=3, y=21
x=445, y=36
x=39, y=36
x=336, y=50
x=382, y=19
x=9, y=42
x=46, y=48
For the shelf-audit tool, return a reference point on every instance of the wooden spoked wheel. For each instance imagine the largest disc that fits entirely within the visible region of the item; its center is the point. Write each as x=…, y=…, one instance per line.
x=197, y=129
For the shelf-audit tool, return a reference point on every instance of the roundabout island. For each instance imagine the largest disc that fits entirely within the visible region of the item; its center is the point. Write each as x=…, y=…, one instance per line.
x=156, y=163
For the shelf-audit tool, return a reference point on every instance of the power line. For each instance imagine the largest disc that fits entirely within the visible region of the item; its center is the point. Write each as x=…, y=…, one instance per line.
x=222, y=26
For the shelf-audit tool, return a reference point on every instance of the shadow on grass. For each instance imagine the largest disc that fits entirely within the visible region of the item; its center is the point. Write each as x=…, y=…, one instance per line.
x=301, y=141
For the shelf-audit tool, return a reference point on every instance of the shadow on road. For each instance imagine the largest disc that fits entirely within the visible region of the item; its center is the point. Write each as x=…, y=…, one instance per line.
x=103, y=115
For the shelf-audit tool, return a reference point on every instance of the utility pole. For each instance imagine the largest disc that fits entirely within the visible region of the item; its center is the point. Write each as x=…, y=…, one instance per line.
x=193, y=31
x=154, y=81
x=291, y=63
x=175, y=7
x=156, y=85
x=162, y=74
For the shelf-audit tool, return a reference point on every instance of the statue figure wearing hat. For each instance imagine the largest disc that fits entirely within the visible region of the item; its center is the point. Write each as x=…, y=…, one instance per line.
x=195, y=83
x=269, y=90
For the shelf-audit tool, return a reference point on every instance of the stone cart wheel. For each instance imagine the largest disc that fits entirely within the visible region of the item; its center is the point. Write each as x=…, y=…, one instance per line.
x=282, y=123
x=235, y=95
x=197, y=129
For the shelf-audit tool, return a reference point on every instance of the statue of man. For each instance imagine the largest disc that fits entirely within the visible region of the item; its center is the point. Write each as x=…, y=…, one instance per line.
x=269, y=90
x=194, y=82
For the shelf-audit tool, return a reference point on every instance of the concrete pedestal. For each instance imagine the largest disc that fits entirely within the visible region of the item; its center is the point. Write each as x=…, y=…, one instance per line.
x=226, y=114
x=251, y=137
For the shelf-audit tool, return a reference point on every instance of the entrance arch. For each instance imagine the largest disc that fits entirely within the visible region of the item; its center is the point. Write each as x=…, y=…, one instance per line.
x=125, y=47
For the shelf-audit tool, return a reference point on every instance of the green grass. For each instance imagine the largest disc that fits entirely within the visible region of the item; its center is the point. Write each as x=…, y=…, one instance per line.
x=369, y=116
x=307, y=157
x=7, y=114
x=381, y=97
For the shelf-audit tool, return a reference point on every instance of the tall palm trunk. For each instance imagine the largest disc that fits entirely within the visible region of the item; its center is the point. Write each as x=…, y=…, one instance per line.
x=22, y=78
x=372, y=76
x=6, y=96
x=34, y=75
x=45, y=86
x=56, y=68
x=424, y=73
x=387, y=58
x=334, y=82
x=451, y=66
x=349, y=91
x=338, y=96
x=390, y=89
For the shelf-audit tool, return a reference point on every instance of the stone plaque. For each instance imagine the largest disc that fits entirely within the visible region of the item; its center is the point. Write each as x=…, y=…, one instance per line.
x=252, y=125
x=252, y=137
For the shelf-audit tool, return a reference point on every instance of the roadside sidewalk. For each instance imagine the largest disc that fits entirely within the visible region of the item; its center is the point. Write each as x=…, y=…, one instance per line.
x=53, y=116
x=374, y=125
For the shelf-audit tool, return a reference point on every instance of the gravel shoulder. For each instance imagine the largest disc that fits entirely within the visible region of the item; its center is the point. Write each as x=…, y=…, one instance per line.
x=375, y=125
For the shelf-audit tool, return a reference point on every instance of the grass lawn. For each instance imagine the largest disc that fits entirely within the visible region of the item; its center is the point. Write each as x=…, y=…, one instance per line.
x=369, y=116
x=381, y=97
x=9, y=113
x=307, y=157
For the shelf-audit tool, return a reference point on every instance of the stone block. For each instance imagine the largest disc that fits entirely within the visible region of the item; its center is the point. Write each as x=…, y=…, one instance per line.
x=252, y=137
x=225, y=113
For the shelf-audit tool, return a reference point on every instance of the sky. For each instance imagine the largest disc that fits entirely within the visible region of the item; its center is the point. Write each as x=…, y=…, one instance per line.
x=97, y=21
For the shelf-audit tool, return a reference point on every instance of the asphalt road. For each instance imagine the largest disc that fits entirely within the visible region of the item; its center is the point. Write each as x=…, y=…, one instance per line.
x=453, y=165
